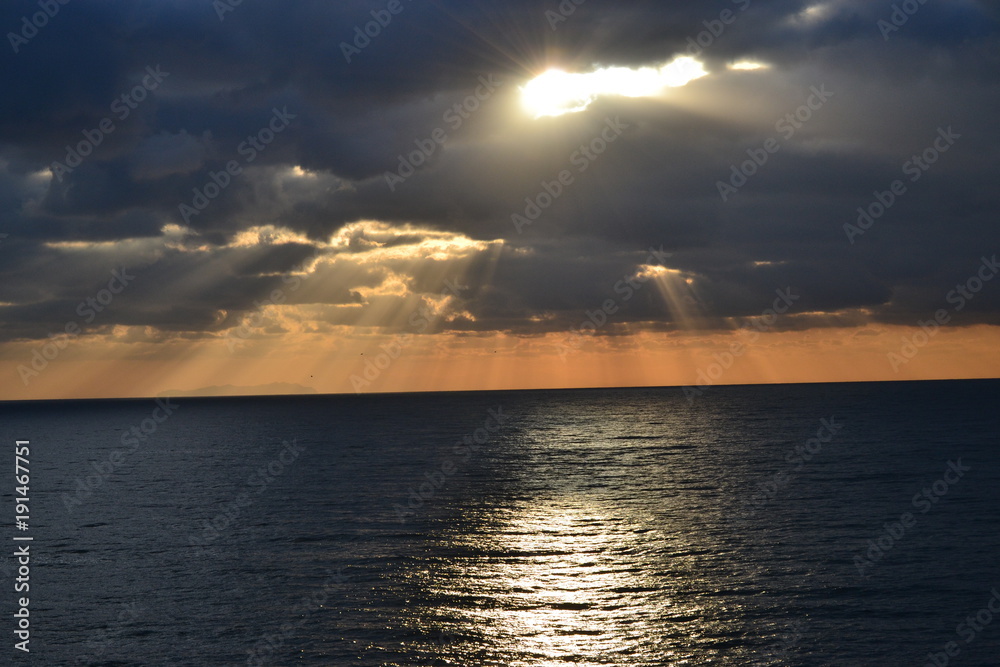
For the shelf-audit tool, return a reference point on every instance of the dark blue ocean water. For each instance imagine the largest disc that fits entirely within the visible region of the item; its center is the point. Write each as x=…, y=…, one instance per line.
x=850, y=524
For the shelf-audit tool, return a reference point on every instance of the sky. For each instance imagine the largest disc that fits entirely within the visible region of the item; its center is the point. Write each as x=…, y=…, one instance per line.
x=423, y=195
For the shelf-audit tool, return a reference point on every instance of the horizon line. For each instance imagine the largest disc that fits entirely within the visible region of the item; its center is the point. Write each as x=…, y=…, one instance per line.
x=477, y=391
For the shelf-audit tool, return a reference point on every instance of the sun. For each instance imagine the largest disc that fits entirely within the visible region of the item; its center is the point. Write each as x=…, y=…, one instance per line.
x=556, y=92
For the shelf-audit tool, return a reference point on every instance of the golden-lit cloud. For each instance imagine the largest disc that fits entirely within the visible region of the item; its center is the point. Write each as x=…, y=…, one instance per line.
x=267, y=235
x=747, y=66
x=304, y=256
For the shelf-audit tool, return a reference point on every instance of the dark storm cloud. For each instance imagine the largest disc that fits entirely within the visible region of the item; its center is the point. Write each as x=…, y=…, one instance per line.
x=656, y=185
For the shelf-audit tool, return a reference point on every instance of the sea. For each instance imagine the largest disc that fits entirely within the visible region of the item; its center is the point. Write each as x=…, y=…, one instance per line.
x=814, y=524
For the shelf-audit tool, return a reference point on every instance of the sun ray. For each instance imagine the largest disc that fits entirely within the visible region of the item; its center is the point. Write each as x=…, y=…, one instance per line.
x=556, y=92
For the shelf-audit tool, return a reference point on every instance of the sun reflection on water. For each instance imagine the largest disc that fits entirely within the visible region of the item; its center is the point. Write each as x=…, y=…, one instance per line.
x=562, y=582
x=597, y=543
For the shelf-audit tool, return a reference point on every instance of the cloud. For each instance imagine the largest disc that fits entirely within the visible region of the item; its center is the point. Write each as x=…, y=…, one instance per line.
x=165, y=154
x=319, y=189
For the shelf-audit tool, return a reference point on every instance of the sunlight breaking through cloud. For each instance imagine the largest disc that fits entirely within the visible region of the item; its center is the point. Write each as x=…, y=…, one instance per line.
x=557, y=92
x=747, y=65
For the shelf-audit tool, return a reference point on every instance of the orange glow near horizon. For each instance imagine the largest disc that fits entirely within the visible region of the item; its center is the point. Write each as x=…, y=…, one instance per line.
x=351, y=363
